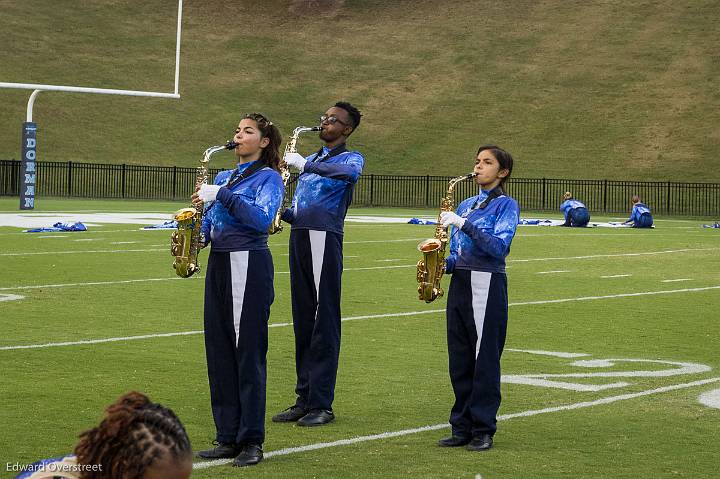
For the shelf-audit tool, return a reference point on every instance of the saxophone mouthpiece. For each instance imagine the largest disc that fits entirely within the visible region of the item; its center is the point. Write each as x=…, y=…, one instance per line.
x=230, y=145
x=316, y=128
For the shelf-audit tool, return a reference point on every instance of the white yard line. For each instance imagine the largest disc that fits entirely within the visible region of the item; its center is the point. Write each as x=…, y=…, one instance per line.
x=526, y=260
x=274, y=245
x=95, y=283
x=554, y=271
x=37, y=253
x=557, y=354
x=676, y=280
x=616, y=276
x=349, y=318
x=615, y=255
x=10, y=297
x=503, y=417
x=105, y=283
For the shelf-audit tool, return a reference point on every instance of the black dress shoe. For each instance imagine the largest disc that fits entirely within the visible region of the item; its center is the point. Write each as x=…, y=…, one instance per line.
x=250, y=455
x=291, y=414
x=317, y=417
x=483, y=442
x=223, y=450
x=453, y=441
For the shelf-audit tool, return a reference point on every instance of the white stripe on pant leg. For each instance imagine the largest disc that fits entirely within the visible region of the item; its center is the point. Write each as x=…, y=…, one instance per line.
x=238, y=278
x=317, y=246
x=480, y=284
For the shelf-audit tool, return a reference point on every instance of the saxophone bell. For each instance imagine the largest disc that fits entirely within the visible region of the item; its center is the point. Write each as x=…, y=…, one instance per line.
x=431, y=267
x=187, y=240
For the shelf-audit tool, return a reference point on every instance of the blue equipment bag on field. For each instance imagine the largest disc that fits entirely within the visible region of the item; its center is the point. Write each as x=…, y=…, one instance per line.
x=59, y=227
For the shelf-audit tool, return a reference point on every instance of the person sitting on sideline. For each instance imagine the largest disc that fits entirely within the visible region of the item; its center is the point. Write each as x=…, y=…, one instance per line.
x=640, y=216
x=137, y=439
x=575, y=212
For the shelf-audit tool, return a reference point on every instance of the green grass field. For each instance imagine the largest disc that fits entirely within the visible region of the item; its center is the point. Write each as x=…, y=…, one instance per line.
x=643, y=300
x=574, y=89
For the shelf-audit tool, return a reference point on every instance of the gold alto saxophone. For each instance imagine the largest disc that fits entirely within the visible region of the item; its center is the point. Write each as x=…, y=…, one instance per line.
x=291, y=147
x=431, y=268
x=187, y=240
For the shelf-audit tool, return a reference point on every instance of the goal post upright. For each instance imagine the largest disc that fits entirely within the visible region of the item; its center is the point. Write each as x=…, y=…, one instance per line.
x=28, y=148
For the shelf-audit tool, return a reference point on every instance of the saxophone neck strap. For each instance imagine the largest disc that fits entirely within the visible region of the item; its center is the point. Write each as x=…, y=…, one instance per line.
x=334, y=152
x=494, y=193
x=238, y=176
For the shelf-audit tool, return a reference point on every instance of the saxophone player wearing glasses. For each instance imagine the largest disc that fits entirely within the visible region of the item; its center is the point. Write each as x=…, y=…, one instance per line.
x=317, y=214
x=239, y=288
x=477, y=305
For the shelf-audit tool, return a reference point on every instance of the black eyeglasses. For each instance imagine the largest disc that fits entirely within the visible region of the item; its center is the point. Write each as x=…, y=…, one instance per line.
x=332, y=120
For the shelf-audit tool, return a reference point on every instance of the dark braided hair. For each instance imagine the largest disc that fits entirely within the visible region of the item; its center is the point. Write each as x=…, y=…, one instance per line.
x=133, y=435
x=270, y=154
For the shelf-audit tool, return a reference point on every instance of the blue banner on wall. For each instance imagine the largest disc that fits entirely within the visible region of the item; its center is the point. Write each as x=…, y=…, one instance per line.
x=28, y=166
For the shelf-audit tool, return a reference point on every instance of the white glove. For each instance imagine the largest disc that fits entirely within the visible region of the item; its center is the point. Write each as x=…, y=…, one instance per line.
x=296, y=160
x=448, y=218
x=208, y=193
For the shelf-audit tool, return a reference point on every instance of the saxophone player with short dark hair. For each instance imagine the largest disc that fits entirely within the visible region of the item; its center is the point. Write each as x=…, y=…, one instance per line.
x=477, y=305
x=239, y=288
x=317, y=214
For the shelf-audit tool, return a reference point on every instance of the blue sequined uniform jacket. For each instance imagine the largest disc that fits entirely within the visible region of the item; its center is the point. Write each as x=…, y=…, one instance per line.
x=484, y=240
x=324, y=192
x=239, y=218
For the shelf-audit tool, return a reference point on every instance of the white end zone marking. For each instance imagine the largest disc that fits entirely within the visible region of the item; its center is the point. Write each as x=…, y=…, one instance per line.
x=711, y=399
x=10, y=297
x=550, y=380
x=504, y=417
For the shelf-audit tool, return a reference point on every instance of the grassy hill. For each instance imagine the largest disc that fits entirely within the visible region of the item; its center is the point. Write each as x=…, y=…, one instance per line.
x=575, y=89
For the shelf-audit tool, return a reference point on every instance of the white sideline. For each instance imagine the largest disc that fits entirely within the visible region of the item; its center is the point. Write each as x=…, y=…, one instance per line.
x=503, y=417
x=354, y=318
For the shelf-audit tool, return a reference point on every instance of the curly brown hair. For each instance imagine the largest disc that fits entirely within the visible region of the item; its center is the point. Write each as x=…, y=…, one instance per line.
x=133, y=435
x=271, y=153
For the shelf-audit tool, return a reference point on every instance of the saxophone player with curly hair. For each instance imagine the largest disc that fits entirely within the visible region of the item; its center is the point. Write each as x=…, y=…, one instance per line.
x=239, y=288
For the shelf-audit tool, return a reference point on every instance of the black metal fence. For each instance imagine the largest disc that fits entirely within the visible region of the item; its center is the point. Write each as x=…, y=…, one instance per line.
x=88, y=180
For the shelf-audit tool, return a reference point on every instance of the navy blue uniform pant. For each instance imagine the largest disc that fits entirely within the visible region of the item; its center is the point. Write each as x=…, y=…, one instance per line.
x=579, y=217
x=316, y=265
x=238, y=294
x=477, y=314
x=645, y=221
